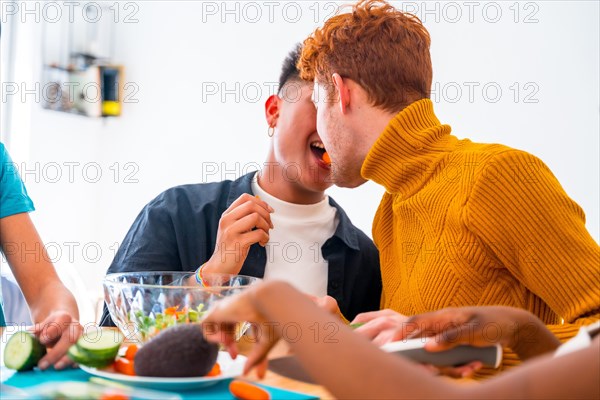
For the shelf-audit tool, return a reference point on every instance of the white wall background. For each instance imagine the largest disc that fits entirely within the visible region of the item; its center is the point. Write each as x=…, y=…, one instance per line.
x=543, y=56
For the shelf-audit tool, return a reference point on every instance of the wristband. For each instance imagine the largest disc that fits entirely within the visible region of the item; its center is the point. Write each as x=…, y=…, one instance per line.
x=199, y=277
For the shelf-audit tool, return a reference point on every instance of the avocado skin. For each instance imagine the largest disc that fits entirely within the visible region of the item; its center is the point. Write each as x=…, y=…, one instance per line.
x=177, y=352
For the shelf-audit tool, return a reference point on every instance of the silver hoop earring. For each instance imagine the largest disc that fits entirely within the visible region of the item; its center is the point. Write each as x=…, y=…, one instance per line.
x=271, y=131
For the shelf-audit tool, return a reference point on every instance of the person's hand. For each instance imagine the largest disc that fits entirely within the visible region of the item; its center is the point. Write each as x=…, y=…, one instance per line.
x=381, y=326
x=327, y=303
x=220, y=325
x=388, y=326
x=57, y=332
x=482, y=326
x=246, y=222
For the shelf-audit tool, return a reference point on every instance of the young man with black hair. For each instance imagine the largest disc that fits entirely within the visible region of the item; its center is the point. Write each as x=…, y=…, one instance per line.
x=249, y=225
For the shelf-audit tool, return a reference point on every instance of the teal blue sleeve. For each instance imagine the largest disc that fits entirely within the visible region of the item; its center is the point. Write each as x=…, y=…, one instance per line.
x=13, y=195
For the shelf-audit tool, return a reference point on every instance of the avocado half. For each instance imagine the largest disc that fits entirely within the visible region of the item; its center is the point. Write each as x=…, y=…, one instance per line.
x=177, y=352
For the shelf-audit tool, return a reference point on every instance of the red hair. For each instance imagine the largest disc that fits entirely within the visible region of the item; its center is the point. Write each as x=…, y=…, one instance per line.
x=384, y=50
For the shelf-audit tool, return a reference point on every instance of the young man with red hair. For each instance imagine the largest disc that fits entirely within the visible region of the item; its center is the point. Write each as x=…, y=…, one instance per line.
x=461, y=223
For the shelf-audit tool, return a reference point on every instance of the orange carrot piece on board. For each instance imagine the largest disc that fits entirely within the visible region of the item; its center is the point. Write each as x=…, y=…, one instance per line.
x=114, y=396
x=243, y=390
x=130, y=352
x=124, y=366
x=215, y=371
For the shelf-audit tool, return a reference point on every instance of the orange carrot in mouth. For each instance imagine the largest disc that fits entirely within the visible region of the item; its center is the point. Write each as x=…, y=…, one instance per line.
x=326, y=158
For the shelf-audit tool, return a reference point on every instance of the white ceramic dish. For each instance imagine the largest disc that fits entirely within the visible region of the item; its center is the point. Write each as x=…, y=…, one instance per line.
x=229, y=369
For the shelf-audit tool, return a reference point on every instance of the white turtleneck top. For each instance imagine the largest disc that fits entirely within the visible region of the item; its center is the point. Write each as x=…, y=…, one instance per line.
x=294, y=248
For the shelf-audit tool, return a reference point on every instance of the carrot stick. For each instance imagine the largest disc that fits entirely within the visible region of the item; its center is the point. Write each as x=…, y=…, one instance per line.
x=171, y=310
x=215, y=371
x=130, y=352
x=124, y=366
x=243, y=390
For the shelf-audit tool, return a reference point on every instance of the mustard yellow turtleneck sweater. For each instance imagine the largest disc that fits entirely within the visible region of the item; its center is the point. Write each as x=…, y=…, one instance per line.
x=464, y=223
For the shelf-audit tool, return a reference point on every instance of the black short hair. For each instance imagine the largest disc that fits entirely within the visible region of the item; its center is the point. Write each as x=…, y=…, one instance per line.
x=289, y=70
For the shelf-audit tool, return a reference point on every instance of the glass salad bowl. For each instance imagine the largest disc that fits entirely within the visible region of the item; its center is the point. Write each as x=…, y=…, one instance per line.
x=142, y=304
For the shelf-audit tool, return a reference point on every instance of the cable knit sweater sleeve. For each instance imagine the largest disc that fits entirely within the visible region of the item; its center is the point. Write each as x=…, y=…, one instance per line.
x=523, y=215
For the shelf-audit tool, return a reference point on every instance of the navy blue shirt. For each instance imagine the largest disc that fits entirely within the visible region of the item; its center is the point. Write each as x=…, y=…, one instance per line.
x=177, y=231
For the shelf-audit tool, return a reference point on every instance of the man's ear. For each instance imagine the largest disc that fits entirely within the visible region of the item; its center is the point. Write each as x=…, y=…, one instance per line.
x=342, y=91
x=272, y=109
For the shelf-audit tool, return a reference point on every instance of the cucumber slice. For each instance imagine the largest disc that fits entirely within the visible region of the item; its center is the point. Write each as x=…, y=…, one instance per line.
x=75, y=391
x=100, y=344
x=82, y=359
x=23, y=351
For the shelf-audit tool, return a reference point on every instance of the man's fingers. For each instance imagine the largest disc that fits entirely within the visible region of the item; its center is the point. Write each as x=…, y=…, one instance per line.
x=365, y=317
x=383, y=338
x=232, y=349
x=435, y=322
x=446, y=340
x=241, y=235
x=407, y=330
x=371, y=315
x=247, y=204
x=250, y=222
x=249, y=208
x=450, y=372
x=63, y=363
x=215, y=336
x=221, y=332
x=261, y=368
x=242, y=243
x=432, y=369
x=246, y=197
x=252, y=362
x=374, y=328
x=328, y=303
x=57, y=352
x=49, y=332
x=59, y=331
x=464, y=371
x=257, y=236
x=258, y=356
x=435, y=345
x=55, y=326
x=240, y=200
x=452, y=337
x=470, y=369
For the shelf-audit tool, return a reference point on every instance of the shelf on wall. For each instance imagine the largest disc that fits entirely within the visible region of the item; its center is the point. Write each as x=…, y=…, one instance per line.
x=78, y=74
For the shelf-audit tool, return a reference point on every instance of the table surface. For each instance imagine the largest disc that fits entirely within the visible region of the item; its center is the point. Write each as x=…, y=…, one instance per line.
x=271, y=378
